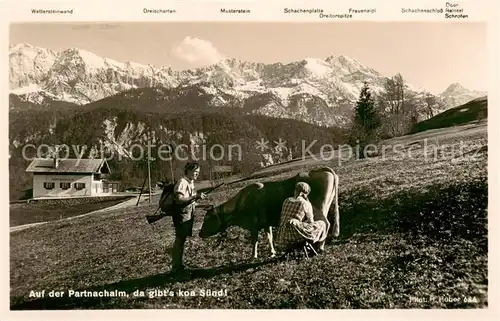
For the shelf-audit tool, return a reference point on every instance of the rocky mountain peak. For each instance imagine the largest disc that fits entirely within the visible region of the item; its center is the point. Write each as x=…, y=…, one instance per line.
x=456, y=94
x=454, y=88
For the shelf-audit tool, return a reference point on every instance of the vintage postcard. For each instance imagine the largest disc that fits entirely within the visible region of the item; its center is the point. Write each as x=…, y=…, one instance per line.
x=315, y=156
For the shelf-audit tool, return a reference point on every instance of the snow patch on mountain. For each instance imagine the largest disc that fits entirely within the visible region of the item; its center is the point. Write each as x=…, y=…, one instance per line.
x=109, y=128
x=283, y=94
x=209, y=90
x=311, y=89
x=317, y=67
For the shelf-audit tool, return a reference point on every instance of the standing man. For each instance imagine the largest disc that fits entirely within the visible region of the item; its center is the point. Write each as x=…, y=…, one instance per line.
x=185, y=197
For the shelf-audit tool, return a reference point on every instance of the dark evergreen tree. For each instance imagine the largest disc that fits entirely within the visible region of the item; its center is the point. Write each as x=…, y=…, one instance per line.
x=366, y=116
x=366, y=121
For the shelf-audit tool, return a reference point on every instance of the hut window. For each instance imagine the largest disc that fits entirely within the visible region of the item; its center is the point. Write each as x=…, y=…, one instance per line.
x=65, y=185
x=49, y=185
x=79, y=186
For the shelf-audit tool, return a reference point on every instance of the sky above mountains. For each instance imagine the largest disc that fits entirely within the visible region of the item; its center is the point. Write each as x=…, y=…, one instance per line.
x=428, y=54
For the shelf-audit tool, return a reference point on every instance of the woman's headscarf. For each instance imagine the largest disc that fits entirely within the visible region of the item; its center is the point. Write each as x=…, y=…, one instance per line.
x=302, y=189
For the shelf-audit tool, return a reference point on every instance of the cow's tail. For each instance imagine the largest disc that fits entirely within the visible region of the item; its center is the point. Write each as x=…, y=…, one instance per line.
x=336, y=222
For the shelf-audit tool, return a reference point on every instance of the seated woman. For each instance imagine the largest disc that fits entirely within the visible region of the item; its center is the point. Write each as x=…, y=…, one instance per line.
x=297, y=224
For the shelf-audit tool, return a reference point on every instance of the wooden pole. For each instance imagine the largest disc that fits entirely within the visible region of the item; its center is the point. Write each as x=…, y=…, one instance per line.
x=171, y=171
x=171, y=164
x=172, y=176
x=140, y=194
x=149, y=178
x=149, y=159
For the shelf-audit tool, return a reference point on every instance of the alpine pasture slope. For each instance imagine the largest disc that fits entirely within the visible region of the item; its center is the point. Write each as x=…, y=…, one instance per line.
x=413, y=235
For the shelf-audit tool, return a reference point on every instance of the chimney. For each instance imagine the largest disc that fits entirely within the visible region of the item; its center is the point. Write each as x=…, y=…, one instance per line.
x=56, y=159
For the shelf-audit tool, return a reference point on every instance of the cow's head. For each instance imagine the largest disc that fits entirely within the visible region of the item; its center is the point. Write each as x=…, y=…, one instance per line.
x=213, y=223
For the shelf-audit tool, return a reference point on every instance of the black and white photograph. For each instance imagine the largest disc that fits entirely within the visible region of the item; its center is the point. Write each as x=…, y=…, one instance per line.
x=244, y=165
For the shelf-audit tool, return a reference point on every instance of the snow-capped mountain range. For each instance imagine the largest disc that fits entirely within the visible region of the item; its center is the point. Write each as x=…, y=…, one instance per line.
x=319, y=91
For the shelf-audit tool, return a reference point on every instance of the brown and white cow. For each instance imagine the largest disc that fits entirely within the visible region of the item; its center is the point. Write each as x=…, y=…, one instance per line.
x=258, y=206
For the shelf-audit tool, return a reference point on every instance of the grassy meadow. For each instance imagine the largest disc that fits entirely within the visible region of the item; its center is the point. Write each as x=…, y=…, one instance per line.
x=51, y=210
x=413, y=235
